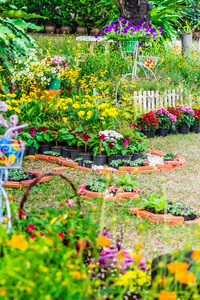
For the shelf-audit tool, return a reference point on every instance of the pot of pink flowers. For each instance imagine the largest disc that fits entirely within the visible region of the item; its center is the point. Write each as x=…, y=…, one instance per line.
x=166, y=120
x=187, y=118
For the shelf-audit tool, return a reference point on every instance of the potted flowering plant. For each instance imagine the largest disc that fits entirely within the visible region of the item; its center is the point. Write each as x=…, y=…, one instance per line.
x=172, y=110
x=113, y=145
x=43, y=137
x=196, y=124
x=71, y=137
x=30, y=140
x=99, y=152
x=148, y=123
x=187, y=118
x=125, y=32
x=166, y=121
x=84, y=140
x=55, y=135
x=55, y=68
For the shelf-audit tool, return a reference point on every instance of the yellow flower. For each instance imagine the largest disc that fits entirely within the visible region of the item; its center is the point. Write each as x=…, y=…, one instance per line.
x=64, y=119
x=75, y=274
x=81, y=113
x=76, y=105
x=9, y=107
x=17, y=241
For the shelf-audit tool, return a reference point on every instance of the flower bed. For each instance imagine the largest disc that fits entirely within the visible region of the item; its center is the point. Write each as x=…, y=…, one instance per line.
x=17, y=184
x=119, y=190
x=166, y=166
x=176, y=217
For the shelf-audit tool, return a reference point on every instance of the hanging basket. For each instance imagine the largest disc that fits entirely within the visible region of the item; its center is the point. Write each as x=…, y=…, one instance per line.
x=128, y=46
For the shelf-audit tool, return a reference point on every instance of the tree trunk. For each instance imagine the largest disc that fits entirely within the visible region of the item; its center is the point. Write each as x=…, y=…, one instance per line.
x=135, y=10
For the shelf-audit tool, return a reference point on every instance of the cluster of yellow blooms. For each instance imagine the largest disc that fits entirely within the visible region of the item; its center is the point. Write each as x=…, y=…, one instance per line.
x=131, y=279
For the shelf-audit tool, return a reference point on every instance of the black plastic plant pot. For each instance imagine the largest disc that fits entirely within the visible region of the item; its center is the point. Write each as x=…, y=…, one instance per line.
x=162, y=132
x=127, y=157
x=80, y=163
x=25, y=152
x=195, y=129
x=171, y=131
x=114, y=157
x=74, y=154
x=85, y=156
x=183, y=129
x=31, y=151
x=57, y=149
x=100, y=160
x=66, y=152
x=149, y=134
x=89, y=165
x=136, y=155
x=44, y=148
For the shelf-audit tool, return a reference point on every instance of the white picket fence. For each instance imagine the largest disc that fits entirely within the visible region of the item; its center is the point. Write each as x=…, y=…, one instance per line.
x=146, y=101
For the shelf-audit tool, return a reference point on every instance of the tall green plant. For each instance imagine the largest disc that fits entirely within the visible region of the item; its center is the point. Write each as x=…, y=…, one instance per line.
x=168, y=14
x=108, y=11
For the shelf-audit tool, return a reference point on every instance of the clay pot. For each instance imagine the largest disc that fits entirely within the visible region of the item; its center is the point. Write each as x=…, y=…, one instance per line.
x=81, y=30
x=57, y=30
x=49, y=29
x=94, y=31
x=65, y=29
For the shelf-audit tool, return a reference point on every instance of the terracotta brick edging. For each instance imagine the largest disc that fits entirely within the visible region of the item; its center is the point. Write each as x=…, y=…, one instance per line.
x=25, y=183
x=163, y=219
x=168, y=165
x=119, y=197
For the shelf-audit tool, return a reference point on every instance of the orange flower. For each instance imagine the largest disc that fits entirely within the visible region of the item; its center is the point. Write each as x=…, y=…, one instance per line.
x=17, y=241
x=185, y=277
x=120, y=255
x=104, y=242
x=196, y=255
x=178, y=267
x=166, y=295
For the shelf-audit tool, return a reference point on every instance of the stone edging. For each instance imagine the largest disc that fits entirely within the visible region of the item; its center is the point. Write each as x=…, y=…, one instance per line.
x=163, y=219
x=25, y=183
x=168, y=165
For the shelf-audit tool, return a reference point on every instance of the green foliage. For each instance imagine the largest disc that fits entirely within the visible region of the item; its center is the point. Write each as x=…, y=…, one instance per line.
x=156, y=201
x=126, y=179
x=180, y=209
x=167, y=14
x=109, y=12
x=98, y=185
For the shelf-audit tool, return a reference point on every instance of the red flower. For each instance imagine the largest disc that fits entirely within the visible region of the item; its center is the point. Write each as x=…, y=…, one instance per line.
x=102, y=137
x=86, y=137
x=43, y=128
x=110, y=145
x=71, y=130
x=81, y=244
x=21, y=213
x=61, y=235
x=69, y=88
x=30, y=227
x=55, y=130
x=65, y=63
x=33, y=236
x=41, y=233
x=78, y=132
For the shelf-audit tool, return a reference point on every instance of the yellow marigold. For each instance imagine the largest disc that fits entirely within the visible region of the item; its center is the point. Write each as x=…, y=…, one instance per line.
x=68, y=100
x=178, y=267
x=9, y=107
x=17, y=241
x=75, y=274
x=167, y=295
x=81, y=113
x=76, y=105
x=196, y=255
x=185, y=277
x=64, y=119
x=102, y=241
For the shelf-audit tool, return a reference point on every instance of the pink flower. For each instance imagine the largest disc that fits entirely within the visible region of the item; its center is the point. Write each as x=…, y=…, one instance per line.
x=81, y=189
x=30, y=227
x=61, y=235
x=21, y=213
x=41, y=233
x=81, y=244
x=69, y=203
x=110, y=145
x=69, y=231
x=3, y=106
x=14, y=119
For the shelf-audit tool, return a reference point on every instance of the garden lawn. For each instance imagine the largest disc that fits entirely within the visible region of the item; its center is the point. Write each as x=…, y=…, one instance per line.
x=181, y=185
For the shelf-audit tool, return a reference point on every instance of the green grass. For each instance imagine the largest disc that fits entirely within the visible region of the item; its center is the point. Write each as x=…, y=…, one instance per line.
x=181, y=185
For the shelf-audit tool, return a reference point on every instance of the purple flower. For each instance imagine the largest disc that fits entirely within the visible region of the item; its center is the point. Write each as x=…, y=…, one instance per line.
x=96, y=36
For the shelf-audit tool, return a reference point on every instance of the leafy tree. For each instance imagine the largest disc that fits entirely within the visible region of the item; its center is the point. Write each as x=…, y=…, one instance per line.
x=14, y=41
